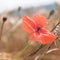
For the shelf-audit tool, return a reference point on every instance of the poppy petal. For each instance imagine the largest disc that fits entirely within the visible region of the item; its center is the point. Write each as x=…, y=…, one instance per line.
x=28, y=25
x=33, y=37
x=43, y=30
x=40, y=20
x=47, y=38
x=44, y=37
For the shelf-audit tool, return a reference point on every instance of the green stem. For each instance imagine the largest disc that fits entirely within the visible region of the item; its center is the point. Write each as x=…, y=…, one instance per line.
x=22, y=50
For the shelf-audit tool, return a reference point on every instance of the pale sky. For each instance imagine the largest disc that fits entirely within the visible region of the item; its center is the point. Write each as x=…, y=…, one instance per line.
x=11, y=4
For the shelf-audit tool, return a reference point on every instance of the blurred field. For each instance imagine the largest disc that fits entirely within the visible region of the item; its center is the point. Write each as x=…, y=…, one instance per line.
x=14, y=37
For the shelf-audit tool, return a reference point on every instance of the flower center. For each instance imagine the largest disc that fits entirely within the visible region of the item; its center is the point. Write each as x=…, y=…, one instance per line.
x=38, y=28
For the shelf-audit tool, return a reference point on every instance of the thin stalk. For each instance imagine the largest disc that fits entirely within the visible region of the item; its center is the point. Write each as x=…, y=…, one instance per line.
x=55, y=26
x=40, y=47
x=4, y=19
x=22, y=50
x=45, y=52
x=1, y=30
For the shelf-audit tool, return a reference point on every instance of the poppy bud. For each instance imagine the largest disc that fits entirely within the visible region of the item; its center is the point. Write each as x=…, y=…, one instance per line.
x=4, y=19
x=51, y=13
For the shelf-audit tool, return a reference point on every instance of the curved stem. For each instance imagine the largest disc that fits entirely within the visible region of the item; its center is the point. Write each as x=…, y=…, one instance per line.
x=45, y=51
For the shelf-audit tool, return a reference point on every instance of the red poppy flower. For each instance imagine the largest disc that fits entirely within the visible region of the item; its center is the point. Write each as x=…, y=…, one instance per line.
x=35, y=28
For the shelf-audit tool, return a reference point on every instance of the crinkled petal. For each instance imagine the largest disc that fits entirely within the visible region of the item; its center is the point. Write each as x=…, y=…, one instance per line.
x=40, y=20
x=28, y=25
x=47, y=38
x=43, y=37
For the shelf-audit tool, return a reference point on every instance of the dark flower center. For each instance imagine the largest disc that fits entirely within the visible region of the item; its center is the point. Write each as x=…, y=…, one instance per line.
x=38, y=28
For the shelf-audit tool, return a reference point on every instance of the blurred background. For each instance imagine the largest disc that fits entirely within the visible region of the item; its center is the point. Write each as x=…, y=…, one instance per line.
x=13, y=37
